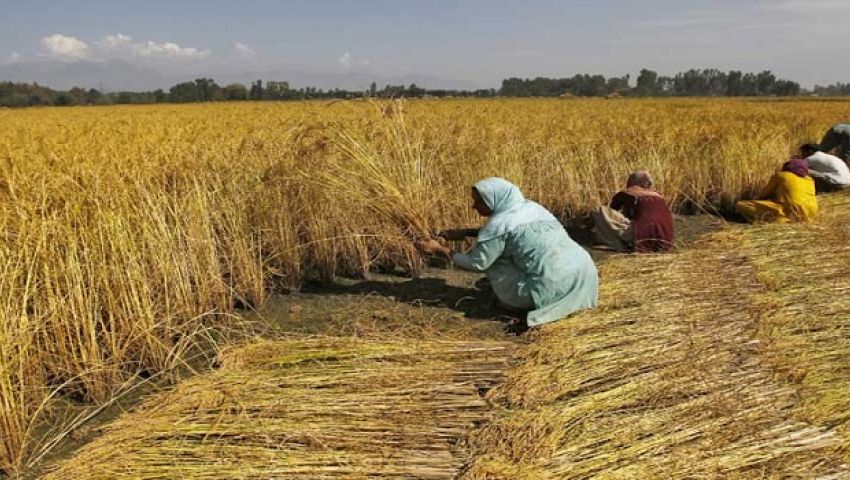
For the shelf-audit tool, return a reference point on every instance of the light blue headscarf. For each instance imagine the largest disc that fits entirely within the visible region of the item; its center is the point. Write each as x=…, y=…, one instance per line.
x=510, y=208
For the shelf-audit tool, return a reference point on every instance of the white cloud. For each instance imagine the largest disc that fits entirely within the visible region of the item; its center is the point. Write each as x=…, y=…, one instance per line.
x=64, y=47
x=115, y=41
x=347, y=60
x=167, y=50
x=119, y=45
x=244, y=50
x=13, y=57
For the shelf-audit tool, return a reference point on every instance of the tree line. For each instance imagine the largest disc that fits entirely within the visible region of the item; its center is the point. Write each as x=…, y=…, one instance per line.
x=834, y=90
x=692, y=83
x=207, y=90
x=695, y=83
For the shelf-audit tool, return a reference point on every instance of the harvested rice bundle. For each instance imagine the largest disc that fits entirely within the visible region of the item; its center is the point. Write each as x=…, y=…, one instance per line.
x=317, y=408
x=667, y=381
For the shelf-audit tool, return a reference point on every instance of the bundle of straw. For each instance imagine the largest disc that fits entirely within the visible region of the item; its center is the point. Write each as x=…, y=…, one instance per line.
x=322, y=408
x=671, y=377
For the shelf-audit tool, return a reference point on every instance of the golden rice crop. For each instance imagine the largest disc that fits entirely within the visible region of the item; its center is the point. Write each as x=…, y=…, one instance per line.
x=674, y=376
x=126, y=233
x=319, y=408
x=727, y=360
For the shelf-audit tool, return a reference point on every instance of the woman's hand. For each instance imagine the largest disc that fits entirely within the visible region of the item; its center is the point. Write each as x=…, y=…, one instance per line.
x=453, y=235
x=458, y=234
x=433, y=247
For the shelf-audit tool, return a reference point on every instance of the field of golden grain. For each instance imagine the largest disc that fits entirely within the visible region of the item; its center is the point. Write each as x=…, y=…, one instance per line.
x=725, y=360
x=129, y=234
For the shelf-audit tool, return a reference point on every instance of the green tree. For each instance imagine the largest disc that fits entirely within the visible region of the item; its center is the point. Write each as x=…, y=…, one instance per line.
x=735, y=83
x=208, y=90
x=184, y=92
x=277, y=90
x=257, y=92
x=160, y=96
x=235, y=91
x=647, y=82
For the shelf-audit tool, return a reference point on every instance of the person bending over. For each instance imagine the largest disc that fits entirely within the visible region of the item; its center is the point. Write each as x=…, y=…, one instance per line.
x=532, y=263
x=837, y=138
x=638, y=219
x=789, y=196
x=829, y=172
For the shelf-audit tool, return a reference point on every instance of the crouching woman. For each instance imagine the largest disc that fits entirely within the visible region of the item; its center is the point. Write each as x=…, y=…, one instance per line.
x=532, y=263
x=637, y=220
x=789, y=196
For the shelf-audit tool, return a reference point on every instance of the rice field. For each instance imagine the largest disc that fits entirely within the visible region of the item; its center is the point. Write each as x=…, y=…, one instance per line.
x=687, y=380
x=131, y=235
x=727, y=360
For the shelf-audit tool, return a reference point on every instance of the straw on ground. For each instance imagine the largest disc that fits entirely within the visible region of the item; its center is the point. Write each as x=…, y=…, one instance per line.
x=720, y=361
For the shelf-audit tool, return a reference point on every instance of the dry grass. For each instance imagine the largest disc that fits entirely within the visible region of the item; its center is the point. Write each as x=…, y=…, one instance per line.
x=805, y=329
x=676, y=376
x=698, y=365
x=128, y=233
x=308, y=409
x=686, y=380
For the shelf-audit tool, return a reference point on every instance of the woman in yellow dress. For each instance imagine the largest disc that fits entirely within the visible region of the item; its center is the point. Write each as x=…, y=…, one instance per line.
x=788, y=197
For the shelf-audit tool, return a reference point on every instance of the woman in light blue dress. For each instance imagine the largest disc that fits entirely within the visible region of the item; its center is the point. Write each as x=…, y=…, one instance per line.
x=532, y=263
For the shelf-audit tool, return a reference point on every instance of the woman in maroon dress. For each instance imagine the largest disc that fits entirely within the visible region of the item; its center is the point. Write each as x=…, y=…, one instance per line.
x=638, y=218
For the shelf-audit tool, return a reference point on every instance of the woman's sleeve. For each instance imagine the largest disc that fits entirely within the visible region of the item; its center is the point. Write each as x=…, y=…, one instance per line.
x=770, y=189
x=830, y=140
x=619, y=201
x=481, y=256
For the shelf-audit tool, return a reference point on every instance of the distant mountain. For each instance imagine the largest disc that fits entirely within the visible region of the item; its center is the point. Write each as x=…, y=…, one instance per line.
x=115, y=75
x=110, y=75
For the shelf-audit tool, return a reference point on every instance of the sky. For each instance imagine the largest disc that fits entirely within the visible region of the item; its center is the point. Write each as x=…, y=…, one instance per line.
x=473, y=43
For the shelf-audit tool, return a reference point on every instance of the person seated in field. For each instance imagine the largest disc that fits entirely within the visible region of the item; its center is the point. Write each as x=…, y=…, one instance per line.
x=531, y=262
x=829, y=172
x=637, y=220
x=789, y=196
x=837, y=138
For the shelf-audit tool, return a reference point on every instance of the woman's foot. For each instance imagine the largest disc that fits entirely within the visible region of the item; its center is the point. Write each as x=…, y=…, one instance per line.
x=517, y=327
x=508, y=309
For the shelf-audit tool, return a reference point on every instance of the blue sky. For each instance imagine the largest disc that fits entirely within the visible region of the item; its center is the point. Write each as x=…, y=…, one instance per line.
x=476, y=42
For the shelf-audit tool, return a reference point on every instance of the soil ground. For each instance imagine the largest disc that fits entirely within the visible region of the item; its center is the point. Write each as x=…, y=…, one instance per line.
x=447, y=301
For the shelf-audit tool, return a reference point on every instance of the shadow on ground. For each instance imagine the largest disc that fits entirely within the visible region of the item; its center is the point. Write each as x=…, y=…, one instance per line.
x=434, y=289
x=441, y=301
